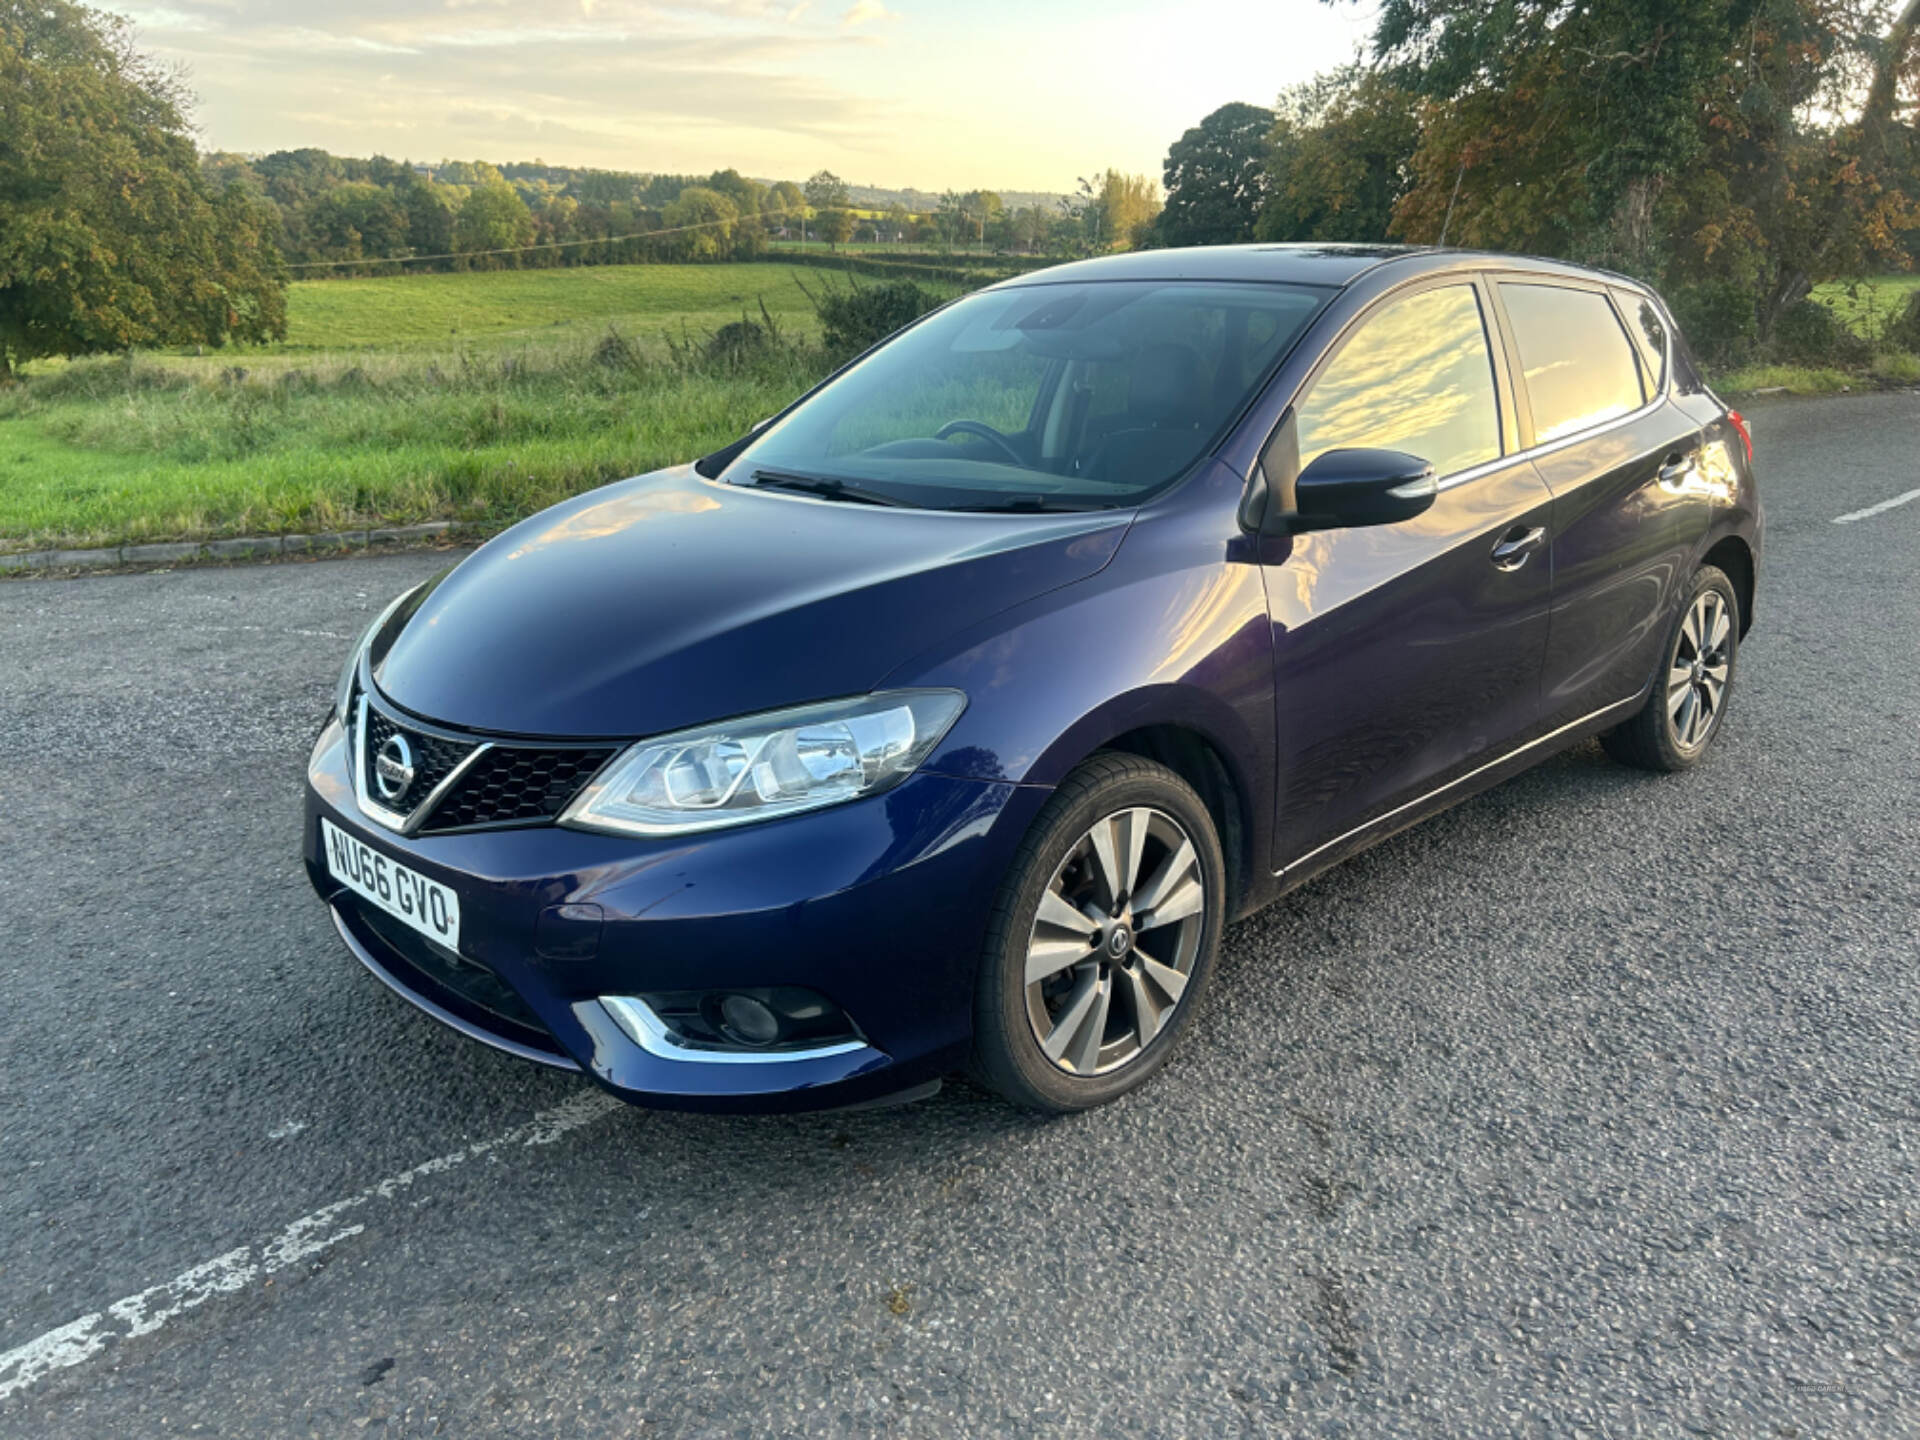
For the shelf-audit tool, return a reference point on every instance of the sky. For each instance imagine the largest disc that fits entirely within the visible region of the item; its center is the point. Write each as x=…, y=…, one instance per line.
x=932, y=94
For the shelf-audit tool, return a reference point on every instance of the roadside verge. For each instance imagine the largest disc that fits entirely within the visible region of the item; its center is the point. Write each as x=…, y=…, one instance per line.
x=243, y=547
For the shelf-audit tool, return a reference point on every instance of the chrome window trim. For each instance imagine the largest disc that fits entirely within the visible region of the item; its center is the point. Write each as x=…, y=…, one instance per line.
x=638, y=1022
x=1459, y=780
x=411, y=822
x=1559, y=442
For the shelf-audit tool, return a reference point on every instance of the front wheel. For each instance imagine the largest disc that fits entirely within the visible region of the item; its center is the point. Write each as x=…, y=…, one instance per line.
x=1103, y=938
x=1690, y=694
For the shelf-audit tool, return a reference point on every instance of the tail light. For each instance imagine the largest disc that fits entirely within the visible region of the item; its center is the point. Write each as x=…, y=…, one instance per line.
x=1746, y=435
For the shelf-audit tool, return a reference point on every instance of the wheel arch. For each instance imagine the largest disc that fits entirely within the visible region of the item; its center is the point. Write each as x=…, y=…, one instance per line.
x=1199, y=761
x=1204, y=741
x=1732, y=555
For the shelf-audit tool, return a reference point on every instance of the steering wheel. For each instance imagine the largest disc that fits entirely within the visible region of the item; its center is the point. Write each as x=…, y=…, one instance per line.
x=985, y=432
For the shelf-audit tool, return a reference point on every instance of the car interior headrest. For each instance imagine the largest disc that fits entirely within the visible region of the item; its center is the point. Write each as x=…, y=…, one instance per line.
x=1164, y=390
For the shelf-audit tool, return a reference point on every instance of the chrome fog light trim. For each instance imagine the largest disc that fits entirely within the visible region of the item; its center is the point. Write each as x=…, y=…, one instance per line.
x=637, y=1020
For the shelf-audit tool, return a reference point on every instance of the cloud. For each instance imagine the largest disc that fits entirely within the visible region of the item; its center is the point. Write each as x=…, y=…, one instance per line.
x=778, y=88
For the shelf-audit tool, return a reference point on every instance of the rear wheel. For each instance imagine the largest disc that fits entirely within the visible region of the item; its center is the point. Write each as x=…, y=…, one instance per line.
x=1690, y=696
x=1103, y=938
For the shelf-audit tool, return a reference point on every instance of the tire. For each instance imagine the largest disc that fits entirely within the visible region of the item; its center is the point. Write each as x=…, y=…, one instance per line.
x=1667, y=735
x=1112, y=986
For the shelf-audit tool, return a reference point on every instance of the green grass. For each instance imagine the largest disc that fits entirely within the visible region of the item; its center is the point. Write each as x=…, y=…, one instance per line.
x=507, y=307
x=1790, y=379
x=1868, y=305
x=1889, y=368
x=1897, y=368
x=476, y=398
x=110, y=452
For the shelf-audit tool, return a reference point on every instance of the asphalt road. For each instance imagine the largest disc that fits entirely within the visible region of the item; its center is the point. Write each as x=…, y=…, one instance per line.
x=1590, y=1108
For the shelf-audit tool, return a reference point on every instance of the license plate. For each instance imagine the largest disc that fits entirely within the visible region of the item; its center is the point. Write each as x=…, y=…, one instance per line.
x=407, y=895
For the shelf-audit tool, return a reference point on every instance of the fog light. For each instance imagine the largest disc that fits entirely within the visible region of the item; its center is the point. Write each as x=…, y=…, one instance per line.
x=766, y=1020
x=746, y=1020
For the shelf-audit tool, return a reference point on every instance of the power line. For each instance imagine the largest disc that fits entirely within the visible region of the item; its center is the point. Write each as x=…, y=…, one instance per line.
x=548, y=245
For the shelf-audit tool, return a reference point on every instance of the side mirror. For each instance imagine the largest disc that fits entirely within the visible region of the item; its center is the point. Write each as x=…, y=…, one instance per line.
x=1343, y=489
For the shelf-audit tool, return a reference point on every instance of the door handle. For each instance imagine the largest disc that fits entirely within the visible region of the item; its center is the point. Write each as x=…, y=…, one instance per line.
x=1675, y=474
x=1514, y=548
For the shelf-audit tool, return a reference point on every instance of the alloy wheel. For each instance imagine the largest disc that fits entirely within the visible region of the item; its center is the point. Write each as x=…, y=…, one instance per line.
x=1114, y=941
x=1697, y=677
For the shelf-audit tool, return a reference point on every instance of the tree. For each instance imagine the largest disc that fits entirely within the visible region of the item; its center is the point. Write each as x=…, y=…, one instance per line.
x=110, y=235
x=786, y=204
x=469, y=174
x=356, y=220
x=713, y=214
x=747, y=195
x=1117, y=209
x=1216, y=178
x=980, y=207
x=827, y=191
x=827, y=197
x=1720, y=142
x=950, y=220
x=493, y=218
x=835, y=226
x=430, y=214
x=1031, y=228
x=1339, y=157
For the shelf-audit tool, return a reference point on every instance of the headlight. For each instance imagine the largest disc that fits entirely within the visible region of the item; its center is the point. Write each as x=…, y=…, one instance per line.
x=343, y=691
x=764, y=766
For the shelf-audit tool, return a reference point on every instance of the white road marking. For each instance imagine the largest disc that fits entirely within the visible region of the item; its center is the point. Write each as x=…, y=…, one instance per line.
x=1872, y=510
x=142, y=1314
x=286, y=1129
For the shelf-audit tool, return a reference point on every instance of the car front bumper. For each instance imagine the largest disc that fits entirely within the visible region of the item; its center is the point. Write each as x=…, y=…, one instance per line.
x=880, y=905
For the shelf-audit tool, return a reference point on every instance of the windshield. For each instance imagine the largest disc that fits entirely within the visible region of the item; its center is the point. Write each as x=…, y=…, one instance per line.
x=1042, y=397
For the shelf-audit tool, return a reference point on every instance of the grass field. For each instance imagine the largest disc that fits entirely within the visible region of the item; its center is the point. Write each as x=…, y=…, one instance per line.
x=1869, y=305
x=475, y=398
x=103, y=458
x=508, y=307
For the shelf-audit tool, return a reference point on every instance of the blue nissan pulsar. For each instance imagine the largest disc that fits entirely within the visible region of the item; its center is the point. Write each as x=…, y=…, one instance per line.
x=945, y=720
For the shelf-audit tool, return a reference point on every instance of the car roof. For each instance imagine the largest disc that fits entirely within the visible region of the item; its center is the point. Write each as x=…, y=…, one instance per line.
x=1333, y=266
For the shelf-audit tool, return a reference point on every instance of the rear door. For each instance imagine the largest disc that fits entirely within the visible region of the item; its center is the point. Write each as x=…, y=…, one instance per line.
x=1405, y=655
x=1617, y=457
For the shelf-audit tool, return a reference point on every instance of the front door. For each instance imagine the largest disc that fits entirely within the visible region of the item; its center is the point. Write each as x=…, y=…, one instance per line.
x=1407, y=655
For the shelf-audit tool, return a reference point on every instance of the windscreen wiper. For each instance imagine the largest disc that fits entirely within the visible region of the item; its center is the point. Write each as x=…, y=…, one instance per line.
x=826, y=488
x=1024, y=505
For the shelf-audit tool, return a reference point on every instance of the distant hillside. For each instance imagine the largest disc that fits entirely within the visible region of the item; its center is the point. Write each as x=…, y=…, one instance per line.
x=921, y=202
x=348, y=213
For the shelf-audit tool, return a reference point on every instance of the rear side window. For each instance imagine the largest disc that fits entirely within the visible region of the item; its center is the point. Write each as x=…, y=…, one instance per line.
x=1651, y=333
x=1416, y=377
x=1578, y=365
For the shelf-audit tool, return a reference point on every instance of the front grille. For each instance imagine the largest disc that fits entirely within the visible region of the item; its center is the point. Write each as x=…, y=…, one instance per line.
x=509, y=785
x=433, y=760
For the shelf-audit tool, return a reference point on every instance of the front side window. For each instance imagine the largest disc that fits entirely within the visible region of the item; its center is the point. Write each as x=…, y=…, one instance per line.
x=1417, y=377
x=1578, y=365
x=1044, y=396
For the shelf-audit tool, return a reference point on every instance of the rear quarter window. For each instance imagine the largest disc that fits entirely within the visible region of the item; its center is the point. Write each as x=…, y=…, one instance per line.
x=1649, y=332
x=1579, y=367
